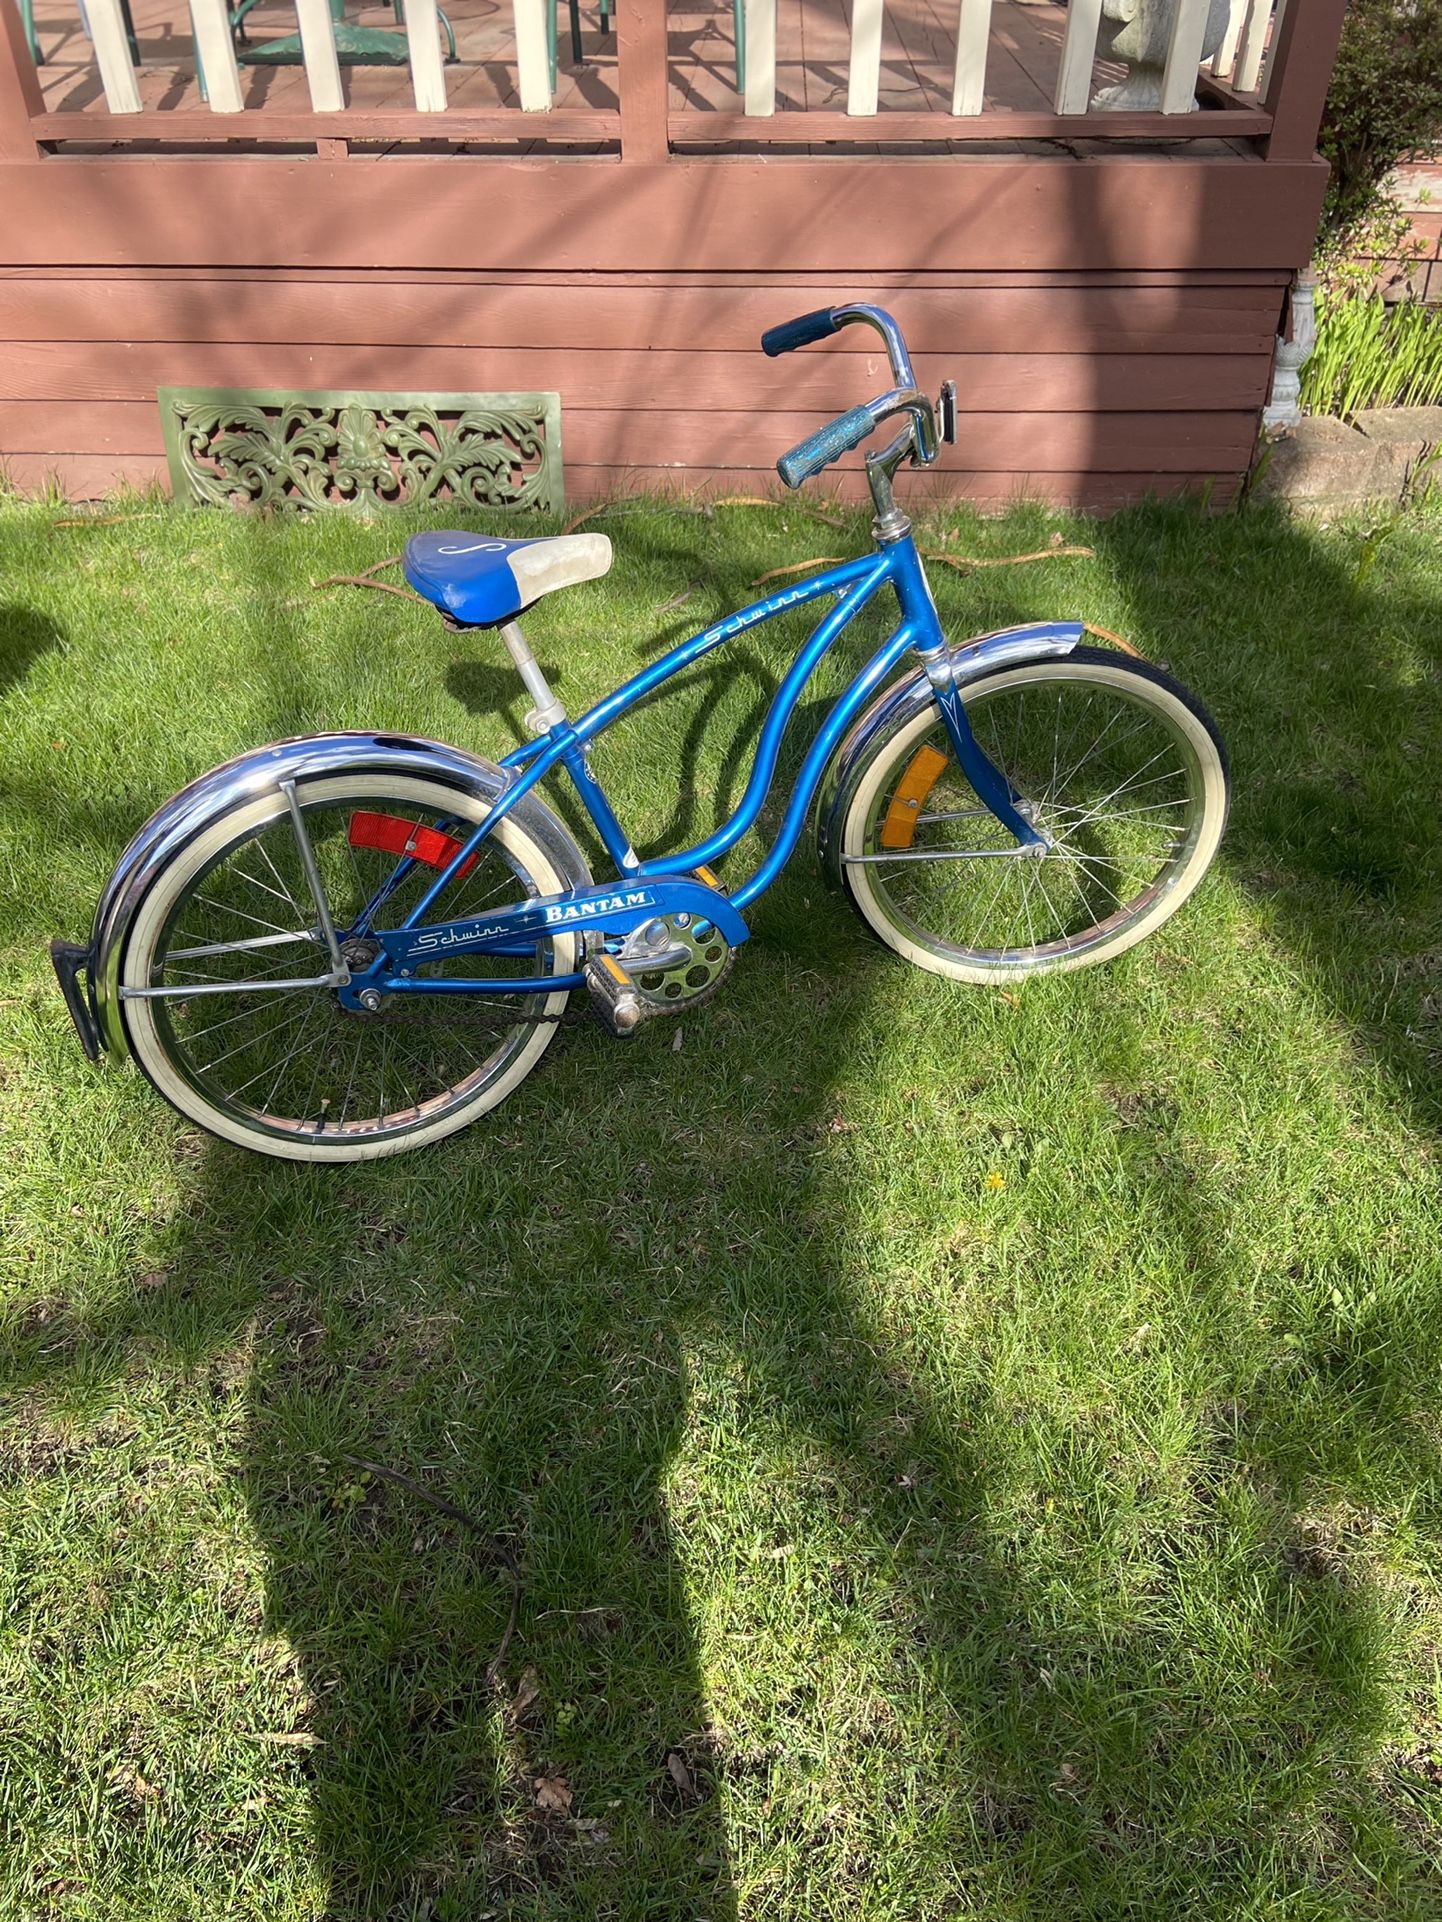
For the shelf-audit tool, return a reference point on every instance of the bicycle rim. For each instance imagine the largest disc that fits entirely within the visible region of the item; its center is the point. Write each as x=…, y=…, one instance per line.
x=1113, y=762
x=289, y=1070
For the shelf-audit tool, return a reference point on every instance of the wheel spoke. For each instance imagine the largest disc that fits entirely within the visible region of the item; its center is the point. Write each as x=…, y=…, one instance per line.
x=1111, y=772
x=313, y=1066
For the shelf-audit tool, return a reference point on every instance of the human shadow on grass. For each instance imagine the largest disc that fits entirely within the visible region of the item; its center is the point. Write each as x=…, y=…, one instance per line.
x=987, y=1628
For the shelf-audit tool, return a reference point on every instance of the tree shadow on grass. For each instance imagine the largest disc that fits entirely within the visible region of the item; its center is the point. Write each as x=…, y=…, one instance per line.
x=1327, y=683
x=25, y=634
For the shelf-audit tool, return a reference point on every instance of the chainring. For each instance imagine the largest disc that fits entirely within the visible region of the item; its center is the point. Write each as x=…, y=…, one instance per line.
x=695, y=965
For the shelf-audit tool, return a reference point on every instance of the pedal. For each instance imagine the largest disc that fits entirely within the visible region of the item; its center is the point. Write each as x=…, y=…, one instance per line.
x=613, y=995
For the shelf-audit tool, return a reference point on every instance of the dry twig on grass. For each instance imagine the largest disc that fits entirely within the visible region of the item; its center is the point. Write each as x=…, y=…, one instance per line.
x=499, y=1550
x=962, y=562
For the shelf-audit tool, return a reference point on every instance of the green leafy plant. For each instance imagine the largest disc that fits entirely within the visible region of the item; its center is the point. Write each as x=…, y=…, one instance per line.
x=1369, y=354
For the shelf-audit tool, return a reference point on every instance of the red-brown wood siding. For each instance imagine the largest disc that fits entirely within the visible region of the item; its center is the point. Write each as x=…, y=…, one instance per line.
x=1109, y=322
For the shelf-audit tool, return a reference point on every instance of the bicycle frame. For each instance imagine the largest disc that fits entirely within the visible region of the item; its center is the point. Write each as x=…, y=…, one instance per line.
x=669, y=884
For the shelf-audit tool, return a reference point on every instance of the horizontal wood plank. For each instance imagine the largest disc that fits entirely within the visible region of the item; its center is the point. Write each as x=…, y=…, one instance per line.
x=736, y=215
x=46, y=373
x=1125, y=318
x=916, y=129
x=267, y=126
x=83, y=477
x=1016, y=443
x=675, y=441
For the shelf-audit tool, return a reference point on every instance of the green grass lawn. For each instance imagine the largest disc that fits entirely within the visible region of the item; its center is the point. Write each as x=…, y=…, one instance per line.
x=967, y=1452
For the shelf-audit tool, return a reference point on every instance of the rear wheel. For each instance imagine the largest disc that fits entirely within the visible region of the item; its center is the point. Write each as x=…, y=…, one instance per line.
x=288, y=1070
x=1113, y=760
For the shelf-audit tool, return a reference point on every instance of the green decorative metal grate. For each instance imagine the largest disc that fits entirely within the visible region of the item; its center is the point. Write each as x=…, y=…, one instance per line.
x=283, y=452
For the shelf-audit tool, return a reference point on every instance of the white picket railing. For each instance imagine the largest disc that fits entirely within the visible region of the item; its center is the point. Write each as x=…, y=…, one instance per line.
x=1251, y=26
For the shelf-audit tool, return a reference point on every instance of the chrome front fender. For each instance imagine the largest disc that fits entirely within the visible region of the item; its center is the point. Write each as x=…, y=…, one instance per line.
x=261, y=772
x=897, y=704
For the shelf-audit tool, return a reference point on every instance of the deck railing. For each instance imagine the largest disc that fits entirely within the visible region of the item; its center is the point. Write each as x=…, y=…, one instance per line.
x=1262, y=85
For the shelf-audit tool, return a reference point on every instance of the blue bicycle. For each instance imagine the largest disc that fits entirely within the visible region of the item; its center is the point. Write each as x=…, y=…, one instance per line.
x=344, y=946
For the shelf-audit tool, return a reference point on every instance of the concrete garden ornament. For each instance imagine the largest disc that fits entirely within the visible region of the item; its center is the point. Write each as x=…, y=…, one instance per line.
x=1137, y=32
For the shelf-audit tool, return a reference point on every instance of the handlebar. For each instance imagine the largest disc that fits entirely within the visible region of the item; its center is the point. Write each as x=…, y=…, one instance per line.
x=848, y=430
x=799, y=332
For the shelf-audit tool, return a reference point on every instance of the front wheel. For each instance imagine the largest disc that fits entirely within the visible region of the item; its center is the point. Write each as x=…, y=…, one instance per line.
x=1112, y=760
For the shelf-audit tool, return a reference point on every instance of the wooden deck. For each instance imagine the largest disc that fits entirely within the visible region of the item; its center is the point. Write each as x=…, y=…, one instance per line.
x=813, y=44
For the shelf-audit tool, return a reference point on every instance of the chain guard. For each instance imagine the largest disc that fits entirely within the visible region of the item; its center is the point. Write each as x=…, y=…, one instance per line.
x=673, y=989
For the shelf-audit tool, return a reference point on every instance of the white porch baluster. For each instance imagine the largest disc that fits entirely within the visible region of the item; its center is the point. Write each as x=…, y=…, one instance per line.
x=973, y=32
x=1184, y=55
x=533, y=57
x=1078, y=55
x=423, y=38
x=1254, y=40
x=1226, y=54
x=112, y=56
x=760, y=56
x=317, y=46
x=1277, y=18
x=215, y=55
x=865, y=78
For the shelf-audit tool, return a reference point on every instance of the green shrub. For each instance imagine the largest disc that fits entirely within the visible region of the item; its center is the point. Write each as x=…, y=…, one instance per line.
x=1384, y=103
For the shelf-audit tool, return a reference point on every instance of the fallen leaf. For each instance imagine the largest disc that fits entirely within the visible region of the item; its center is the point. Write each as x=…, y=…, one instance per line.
x=527, y=1689
x=129, y=1778
x=553, y=1793
x=680, y=1774
x=1011, y=1000
x=293, y=1738
x=156, y=1278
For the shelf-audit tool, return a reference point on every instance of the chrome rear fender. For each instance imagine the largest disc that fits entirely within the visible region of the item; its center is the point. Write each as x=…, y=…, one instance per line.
x=261, y=772
x=904, y=699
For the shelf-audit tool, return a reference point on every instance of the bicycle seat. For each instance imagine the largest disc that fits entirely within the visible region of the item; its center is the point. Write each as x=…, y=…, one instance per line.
x=480, y=581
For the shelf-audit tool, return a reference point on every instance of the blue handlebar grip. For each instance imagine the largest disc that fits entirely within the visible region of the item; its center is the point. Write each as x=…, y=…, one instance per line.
x=829, y=443
x=799, y=332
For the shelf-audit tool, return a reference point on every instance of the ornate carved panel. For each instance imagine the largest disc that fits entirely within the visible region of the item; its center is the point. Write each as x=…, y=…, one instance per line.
x=286, y=451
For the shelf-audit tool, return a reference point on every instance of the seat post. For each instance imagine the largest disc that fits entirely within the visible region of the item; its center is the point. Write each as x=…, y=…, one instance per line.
x=547, y=710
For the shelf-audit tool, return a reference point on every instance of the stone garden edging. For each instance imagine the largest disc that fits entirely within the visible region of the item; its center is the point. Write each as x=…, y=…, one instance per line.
x=1322, y=464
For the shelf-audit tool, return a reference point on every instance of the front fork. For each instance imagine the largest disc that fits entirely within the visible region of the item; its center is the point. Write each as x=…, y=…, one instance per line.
x=913, y=590
x=990, y=784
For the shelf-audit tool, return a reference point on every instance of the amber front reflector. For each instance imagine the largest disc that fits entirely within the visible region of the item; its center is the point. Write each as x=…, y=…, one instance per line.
x=898, y=830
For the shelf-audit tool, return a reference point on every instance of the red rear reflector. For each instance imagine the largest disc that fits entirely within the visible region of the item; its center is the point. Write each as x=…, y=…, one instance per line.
x=389, y=834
